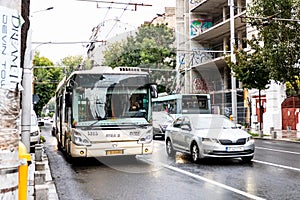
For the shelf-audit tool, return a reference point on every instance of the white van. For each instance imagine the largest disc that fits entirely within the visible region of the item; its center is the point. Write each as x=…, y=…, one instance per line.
x=34, y=129
x=35, y=133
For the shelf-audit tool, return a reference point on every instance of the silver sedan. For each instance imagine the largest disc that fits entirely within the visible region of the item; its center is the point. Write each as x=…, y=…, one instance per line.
x=207, y=135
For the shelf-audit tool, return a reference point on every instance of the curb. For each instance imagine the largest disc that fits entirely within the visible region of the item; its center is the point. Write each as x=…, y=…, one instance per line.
x=37, y=191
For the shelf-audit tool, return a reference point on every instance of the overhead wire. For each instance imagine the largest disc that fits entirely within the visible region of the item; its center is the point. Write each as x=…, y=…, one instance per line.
x=116, y=22
x=104, y=18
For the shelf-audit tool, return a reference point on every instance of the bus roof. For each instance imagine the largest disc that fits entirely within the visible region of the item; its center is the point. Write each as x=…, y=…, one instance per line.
x=104, y=70
x=109, y=70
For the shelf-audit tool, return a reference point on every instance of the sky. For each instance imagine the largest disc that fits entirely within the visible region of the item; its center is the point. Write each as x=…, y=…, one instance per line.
x=71, y=21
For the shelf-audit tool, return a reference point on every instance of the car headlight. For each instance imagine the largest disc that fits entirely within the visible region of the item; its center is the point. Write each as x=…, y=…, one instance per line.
x=147, y=137
x=213, y=140
x=35, y=133
x=80, y=139
x=250, y=139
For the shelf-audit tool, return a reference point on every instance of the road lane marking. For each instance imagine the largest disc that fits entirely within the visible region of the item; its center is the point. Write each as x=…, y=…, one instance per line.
x=205, y=179
x=213, y=182
x=278, y=150
x=276, y=165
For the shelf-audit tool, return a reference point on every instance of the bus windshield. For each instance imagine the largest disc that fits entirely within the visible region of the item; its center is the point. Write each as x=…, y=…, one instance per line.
x=110, y=98
x=183, y=104
x=195, y=104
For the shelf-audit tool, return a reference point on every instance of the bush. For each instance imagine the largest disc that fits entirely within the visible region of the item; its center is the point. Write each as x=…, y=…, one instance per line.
x=42, y=139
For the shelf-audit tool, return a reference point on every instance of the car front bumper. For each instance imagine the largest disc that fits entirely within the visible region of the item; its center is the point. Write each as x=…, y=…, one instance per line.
x=229, y=151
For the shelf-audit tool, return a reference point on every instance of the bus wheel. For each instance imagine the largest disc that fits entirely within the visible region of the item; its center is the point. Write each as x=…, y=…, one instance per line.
x=59, y=147
x=169, y=148
x=70, y=159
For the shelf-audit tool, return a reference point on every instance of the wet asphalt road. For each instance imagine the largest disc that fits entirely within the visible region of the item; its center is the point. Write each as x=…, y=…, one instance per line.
x=273, y=174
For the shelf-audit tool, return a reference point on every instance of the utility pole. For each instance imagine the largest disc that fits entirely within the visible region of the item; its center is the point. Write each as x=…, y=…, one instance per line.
x=232, y=55
x=9, y=96
x=27, y=95
x=27, y=76
x=27, y=104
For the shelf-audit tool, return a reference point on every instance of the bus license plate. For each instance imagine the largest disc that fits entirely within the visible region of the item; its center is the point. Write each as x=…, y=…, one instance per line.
x=234, y=148
x=114, y=152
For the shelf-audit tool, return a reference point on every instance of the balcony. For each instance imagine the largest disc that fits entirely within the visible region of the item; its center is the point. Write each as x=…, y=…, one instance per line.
x=211, y=7
x=220, y=30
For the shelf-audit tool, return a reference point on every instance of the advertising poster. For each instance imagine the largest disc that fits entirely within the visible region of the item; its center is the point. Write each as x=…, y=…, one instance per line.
x=10, y=48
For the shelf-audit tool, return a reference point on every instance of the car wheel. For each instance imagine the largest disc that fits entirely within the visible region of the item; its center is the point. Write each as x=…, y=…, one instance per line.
x=195, y=152
x=247, y=159
x=59, y=146
x=169, y=148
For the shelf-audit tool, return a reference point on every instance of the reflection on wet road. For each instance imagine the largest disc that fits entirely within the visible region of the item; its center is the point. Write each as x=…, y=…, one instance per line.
x=273, y=174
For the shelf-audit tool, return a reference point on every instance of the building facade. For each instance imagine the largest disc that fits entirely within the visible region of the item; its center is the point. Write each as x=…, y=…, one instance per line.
x=203, y=38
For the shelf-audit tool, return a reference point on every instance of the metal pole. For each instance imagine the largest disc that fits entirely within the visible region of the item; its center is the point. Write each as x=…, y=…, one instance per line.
x=233, y=79
x=27, y=95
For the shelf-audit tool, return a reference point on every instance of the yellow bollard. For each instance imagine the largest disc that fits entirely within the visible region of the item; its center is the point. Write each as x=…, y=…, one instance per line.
x=23, y=171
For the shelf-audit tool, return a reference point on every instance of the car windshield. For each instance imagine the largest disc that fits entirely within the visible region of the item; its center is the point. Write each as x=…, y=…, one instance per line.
x=211, y=123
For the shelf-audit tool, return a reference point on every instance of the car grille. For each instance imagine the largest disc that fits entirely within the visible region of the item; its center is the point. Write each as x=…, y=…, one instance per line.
x=226, y=153
x=229, y=142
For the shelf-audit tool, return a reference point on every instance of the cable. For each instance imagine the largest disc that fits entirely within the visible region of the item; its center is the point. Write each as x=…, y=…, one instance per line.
x=74, y=42
x=116, y=22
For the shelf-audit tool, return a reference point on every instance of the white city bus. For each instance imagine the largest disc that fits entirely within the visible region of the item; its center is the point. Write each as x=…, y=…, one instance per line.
x=168, y=107
x=105, y=112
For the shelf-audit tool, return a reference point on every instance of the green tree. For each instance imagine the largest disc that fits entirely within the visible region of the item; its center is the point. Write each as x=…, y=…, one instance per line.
x=151, y=48
x=277, y=22
x=72, y=63
x=252, y=69
x=272, y=53
x=45, y=81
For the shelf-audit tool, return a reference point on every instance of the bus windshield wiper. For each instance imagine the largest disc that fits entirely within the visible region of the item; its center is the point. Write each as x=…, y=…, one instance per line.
x=135, y=124
x=99, y=119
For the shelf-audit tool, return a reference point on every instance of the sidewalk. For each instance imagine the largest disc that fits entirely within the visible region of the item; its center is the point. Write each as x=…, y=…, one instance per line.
x=47, y=187
x=292, y=135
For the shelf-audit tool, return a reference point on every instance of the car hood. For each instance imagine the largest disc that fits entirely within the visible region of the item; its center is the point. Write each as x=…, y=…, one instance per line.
x=222, y=133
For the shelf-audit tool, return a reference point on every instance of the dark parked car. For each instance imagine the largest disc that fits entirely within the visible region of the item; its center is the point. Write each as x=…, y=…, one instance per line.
x=161, y=120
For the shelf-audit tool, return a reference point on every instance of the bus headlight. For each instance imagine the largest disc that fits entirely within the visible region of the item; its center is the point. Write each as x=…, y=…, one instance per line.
x=146, y=137
x=80, y=139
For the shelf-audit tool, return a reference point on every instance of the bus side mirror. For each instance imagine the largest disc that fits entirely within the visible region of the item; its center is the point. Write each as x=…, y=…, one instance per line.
x=68, y=99
x=69, y=89
x=153, y=90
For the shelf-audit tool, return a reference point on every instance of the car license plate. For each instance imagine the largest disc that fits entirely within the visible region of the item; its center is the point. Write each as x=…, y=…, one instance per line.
x=234, y=149
x=114, y=152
